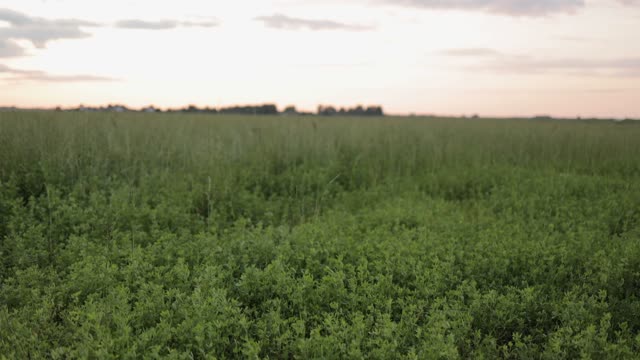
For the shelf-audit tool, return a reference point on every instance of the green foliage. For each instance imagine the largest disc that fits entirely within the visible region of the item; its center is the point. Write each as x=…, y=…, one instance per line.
x=192, y=236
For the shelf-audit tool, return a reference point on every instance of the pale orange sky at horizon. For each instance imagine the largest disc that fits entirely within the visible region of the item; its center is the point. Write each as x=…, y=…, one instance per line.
x=564, y=58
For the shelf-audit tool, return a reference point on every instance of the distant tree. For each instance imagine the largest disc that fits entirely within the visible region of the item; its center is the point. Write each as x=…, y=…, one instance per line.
x=358, y=111
x=266, y=109
x=191, y=109
x=326, y=110
x=269, y=109
x=290, y=110
x=374, y=111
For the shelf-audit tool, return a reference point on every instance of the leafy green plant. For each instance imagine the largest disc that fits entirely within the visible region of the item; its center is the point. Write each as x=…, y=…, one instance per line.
x=179, y=236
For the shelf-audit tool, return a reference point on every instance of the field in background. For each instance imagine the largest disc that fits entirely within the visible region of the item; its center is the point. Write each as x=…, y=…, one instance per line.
x=190, y=236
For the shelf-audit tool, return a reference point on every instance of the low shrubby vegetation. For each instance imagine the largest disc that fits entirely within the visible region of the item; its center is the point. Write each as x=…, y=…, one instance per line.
x=148, y=235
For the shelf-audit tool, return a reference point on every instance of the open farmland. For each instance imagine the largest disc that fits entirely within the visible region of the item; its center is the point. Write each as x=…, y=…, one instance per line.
x=189, y=236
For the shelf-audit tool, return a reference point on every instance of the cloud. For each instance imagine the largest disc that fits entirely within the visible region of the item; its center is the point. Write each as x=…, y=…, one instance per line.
x=532, y=65
x=503, y=7
x=37, y=75
x=13, y=17
x=161, y=24
x=40, y=31
x=206, y=23
x=9, y=48
x=279, y=21
x=495, y=61
x=146, y=25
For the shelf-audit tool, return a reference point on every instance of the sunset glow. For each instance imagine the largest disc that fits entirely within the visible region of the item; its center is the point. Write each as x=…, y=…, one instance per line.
x=568, y=59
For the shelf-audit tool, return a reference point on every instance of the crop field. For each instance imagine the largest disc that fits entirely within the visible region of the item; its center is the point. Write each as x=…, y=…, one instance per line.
x=129, y=236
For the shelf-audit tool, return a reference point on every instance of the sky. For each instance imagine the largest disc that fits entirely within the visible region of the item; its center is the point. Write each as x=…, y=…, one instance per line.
x=564, y=58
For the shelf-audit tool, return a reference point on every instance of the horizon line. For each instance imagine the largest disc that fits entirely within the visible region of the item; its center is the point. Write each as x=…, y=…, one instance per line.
x=208, y=110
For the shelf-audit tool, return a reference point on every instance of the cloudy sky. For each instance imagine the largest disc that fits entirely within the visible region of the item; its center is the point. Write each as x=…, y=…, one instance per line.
x=491, y=57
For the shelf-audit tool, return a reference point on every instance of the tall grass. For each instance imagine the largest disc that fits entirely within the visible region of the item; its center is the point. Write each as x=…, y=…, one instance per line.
x=65, y=146
x=192, y=236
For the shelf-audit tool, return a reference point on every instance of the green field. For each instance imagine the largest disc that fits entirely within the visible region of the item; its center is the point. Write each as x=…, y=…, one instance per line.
x=189, y=236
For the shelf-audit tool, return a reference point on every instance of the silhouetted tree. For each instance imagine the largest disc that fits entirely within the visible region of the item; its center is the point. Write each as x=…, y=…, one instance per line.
x=290, y=110
x=266, y=109
x=373, y=111
x=326, y=110
x=358, y=111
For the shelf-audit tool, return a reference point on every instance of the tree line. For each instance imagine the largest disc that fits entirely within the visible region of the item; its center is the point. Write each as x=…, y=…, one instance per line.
x=263, y=109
